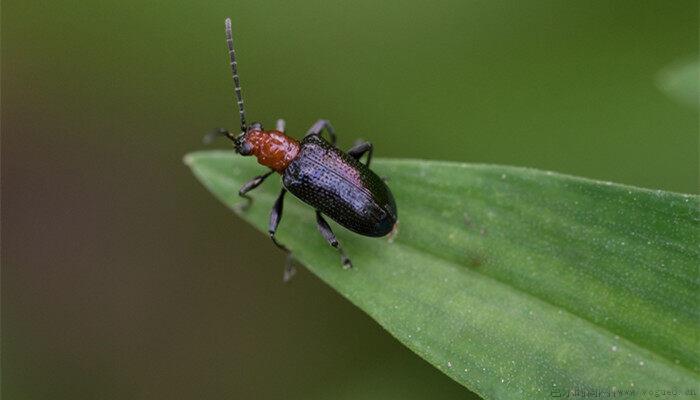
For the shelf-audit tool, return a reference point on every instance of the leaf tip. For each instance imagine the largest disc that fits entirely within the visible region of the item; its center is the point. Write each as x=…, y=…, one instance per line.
x=188, y=159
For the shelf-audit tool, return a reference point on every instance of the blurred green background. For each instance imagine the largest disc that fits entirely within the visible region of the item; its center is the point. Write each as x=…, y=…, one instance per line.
x=123, y=278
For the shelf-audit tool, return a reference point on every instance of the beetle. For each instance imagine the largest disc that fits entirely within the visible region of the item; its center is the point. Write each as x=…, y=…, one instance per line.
x=335, y=183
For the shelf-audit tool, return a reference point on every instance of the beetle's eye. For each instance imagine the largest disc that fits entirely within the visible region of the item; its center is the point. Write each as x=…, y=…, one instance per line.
x=245, y=149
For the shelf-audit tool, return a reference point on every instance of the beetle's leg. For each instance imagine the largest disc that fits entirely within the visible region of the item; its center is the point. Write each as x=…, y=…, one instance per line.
x=361, y=148
x=327, y=233
x=289, y=270
x=250, y=185
x=281, y=125
x=275, y=218
x=318, y=127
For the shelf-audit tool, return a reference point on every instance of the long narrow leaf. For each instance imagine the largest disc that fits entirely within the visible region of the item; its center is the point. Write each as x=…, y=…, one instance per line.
x=516, y=283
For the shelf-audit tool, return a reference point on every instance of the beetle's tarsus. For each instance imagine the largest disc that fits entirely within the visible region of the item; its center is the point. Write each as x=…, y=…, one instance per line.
x=244, y=206
x=289, y=270
x=275, y=218
x=328, y=234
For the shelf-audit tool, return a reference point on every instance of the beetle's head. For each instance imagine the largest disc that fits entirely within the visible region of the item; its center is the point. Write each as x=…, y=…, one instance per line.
x=242, y=146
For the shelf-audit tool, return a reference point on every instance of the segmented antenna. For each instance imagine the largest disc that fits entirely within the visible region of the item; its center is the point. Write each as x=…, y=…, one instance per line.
x=234, y=71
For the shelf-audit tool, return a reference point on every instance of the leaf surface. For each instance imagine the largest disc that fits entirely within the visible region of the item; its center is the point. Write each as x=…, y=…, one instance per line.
x=517, y=283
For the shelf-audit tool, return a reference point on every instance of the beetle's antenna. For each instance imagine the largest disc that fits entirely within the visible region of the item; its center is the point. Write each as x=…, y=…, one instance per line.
x=234, y=71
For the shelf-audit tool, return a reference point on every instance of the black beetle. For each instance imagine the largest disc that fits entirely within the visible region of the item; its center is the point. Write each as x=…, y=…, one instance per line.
x=334, y=182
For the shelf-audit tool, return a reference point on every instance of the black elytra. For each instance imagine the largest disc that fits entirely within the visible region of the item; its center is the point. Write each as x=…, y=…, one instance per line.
x=341, y=187
x=333, y=182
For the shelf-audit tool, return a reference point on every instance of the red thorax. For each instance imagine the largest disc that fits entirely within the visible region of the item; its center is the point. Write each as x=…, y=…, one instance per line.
x=273, y=149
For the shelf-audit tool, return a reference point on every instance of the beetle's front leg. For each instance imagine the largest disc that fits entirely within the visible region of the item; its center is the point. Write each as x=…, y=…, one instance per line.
x=318, y=127
x=327, y=233
x=250, y=185
x=361, y=148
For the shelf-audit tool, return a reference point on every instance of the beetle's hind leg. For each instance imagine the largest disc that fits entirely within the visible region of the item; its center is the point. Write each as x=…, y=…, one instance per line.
x=327, y=233
x=319, y=126
x=275, y=218
x=250, y=185
x=361, y=148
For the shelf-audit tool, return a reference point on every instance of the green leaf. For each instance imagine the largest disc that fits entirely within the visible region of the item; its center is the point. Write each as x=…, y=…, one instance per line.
x=517, y=283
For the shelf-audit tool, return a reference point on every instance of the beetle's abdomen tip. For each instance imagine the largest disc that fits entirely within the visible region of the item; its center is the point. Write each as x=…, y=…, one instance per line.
x=386, y=226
